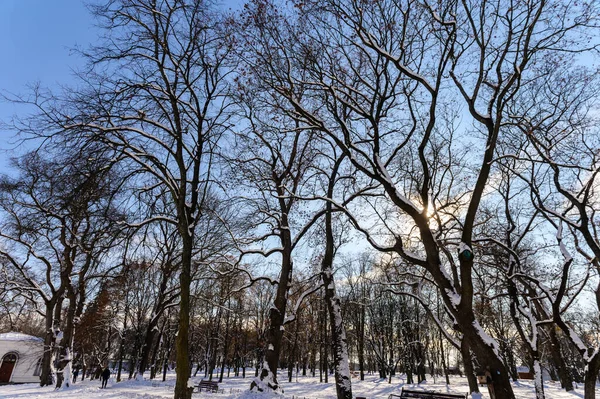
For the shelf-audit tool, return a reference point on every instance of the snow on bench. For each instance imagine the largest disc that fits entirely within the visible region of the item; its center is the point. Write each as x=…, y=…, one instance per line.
x=405, y=393
x=208, y=386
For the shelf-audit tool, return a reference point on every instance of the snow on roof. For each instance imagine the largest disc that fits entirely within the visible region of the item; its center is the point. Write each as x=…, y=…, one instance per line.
x=15, y=336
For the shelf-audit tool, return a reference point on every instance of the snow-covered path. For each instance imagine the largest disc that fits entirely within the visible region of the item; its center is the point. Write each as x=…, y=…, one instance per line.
x=234, y=388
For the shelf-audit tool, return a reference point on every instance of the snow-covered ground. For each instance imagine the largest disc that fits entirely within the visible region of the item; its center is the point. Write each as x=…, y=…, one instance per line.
x=235, y=388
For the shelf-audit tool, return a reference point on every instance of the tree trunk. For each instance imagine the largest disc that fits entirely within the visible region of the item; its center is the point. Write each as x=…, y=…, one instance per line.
x=468, y=363
x=244, y=359
x=565, y=376
x=321, y=342
x=155, y=352
x=340, y=344
x=182, y=390
x=443, y=357
x=538, y=379
x=501, y=381
x=49, y=340
x=213, y=347
x=226, y=343
x=361, y=342
x=591, y=377
x=120, y=367
x=421, y=364
x=292, y=355
x=313, y=359
x=167, y=355
x=408, y=366
x=57, y=331
x=324, y=348
x=484, y=347
x=147, y=347
x=134, y=358
x=66, y=344
x=268, y=374
x=510, y=360
x=122, y=343
x=343, y=383
x=84, y=366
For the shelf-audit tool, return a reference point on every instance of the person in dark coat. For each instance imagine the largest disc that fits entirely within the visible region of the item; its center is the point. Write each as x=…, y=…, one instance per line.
x=75, y=374
x=105, y=376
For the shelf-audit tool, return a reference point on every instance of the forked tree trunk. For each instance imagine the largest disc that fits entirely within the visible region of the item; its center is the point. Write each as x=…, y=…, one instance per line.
x=566, y=378
x=486, y=356
x=343, y=382
x=268, y=372
x=482, y=345
x=66, y=346
x=267, y=378
x=147, y=346
x=152, y=328
x=155, y=352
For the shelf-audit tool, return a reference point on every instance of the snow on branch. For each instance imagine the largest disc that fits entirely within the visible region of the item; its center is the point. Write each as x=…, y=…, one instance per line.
x=292, y=315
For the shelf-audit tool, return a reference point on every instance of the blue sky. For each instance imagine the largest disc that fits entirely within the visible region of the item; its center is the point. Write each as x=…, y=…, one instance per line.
x=36, y=38
x=35, y=41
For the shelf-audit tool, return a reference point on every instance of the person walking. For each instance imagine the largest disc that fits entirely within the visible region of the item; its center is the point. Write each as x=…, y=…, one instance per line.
x=105, y=376
x=75, y=374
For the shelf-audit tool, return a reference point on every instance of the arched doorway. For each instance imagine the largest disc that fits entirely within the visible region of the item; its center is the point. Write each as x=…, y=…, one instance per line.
x=6, y=368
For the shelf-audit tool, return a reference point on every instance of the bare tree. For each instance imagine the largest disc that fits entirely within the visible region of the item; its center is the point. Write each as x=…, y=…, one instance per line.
x=382, y=78
x=560, y=164
x=156, y=92
x=343, y=381
x=59, y=218
x=273, y=163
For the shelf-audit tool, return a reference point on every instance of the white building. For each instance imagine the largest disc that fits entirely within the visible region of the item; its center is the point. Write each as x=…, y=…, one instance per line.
x=20, y=358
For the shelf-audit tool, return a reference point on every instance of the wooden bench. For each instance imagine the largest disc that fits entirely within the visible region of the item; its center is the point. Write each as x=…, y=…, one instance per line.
x=405, y=393
x=208, y=386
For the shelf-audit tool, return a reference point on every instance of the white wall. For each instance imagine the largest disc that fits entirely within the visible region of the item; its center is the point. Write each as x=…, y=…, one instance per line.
x=28, y=352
